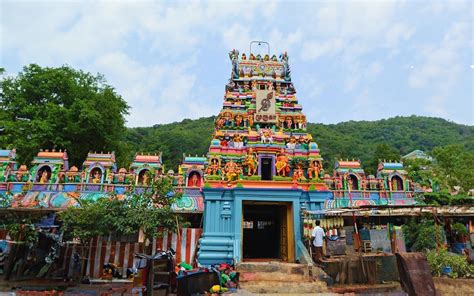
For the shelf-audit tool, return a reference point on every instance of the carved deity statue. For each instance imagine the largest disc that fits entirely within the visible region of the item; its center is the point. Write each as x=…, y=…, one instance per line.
x=194, y=180
x=96, y=178
x=298, y=174
x=145, y=179
x=289, y=122
x=251, y=162
x=213, y=168
x=250, y=118
x=282, y=166
x=314, y=169
x=231, y=170
x=238, y=141
x=234, y=57
x=238, y=120
x=44, y=177
x=286, y=67
x=266, y=136
x=292, y=143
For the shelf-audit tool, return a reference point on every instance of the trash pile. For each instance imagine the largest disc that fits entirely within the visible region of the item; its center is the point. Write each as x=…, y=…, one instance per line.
x=211, y=280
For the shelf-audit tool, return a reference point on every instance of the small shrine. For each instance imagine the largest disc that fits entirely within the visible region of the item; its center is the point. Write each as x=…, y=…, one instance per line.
x=98, y=167
x=393, y=175
x=47, y=166
x=192, y=168
x=349, y=175
x=7, y=163
x=145, y=168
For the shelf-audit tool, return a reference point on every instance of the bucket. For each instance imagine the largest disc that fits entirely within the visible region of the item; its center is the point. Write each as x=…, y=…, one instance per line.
x=446, y=270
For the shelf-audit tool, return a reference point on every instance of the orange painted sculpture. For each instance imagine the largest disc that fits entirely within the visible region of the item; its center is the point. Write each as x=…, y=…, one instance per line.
x=213, y=168
x=238, y=119
x=251, y=163
x=231, y=170
x=238, y=141
x=96, y=178
x=44, y=177
x=282, y=166
x=298, y=174
x=289, y=122
x=194, y=180
x=314, y=169
x=146, y=179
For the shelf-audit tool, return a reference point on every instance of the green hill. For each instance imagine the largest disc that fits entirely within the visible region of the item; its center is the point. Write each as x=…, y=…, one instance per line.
x=353, y=139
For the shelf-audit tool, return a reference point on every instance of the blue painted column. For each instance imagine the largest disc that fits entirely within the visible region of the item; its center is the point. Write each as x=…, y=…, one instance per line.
x=217, y=242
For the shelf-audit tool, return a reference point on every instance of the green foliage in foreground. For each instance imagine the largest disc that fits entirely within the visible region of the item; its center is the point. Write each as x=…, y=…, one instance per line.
x=422, y=235
x=442, y=258
x=22, y=232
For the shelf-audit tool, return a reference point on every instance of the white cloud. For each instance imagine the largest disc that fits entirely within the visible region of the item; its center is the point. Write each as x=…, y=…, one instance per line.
x=441, y=67
x=312, y=50
x=398, y=32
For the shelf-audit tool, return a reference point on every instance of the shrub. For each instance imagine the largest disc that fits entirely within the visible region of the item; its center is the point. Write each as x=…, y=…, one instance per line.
x=422, y=235
x=460, y=229
x=442, y=258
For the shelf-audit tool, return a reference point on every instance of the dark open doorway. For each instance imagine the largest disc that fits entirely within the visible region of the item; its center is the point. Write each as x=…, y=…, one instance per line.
x=266, y=168
x=355, y=182
x=397, y=183
x=265, y=231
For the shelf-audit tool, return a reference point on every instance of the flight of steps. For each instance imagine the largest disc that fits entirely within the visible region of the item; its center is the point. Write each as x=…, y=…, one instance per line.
x=280, y=279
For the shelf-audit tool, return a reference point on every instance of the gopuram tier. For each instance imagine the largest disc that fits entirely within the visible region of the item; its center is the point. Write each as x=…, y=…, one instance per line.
x=260, y=136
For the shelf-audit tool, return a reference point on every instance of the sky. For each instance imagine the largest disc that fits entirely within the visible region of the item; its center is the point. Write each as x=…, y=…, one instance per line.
x=350, y=60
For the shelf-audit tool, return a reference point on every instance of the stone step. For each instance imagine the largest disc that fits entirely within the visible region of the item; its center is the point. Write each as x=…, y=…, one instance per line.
x=245, y=293
x=266, y=287
x=289, y=268
x=246, y=276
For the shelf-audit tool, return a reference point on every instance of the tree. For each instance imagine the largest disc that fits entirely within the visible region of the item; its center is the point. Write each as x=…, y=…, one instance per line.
x=420, y=171
x=454, y=167
x=60, y=108
x=382, y=152
x=422, y=234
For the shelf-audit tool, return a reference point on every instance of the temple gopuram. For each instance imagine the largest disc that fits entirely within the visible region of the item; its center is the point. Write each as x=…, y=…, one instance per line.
x=262, y=171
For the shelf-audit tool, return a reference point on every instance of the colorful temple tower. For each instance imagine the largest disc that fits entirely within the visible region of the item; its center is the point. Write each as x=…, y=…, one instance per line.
x=262, y=167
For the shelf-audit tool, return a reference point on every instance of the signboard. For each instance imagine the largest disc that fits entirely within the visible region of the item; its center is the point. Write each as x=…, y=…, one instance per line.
x=266, y=109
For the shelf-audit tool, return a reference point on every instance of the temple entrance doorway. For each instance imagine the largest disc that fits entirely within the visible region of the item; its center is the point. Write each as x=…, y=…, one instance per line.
x=266, y=168
x=267, y=231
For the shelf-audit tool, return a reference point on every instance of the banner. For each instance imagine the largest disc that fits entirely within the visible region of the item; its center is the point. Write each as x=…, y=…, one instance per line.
x=266, y=109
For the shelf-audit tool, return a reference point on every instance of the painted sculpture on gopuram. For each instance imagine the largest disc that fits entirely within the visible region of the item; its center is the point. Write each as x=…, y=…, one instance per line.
x=260, y=133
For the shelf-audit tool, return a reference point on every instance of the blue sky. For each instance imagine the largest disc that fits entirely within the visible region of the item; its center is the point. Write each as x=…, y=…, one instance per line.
x=363, y=60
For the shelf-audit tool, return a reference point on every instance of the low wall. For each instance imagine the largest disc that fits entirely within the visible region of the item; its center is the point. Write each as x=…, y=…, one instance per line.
x=102, y=250
x=448, y=286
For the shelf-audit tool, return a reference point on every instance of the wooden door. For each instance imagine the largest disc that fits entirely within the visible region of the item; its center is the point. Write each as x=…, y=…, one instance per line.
x=283, y=234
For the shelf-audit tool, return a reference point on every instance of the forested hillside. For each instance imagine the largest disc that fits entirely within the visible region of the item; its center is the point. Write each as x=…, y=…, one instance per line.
x=354, y=139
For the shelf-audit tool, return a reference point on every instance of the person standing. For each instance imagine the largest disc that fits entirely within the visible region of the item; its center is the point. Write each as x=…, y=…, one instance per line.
x=318, y=237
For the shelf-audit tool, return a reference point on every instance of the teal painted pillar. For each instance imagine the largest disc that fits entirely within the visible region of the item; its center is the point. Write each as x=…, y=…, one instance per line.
x=237, y=229
x=217, y=242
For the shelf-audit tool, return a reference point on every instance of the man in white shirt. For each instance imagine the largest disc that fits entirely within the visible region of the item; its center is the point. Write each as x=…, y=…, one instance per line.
x=318, y=236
